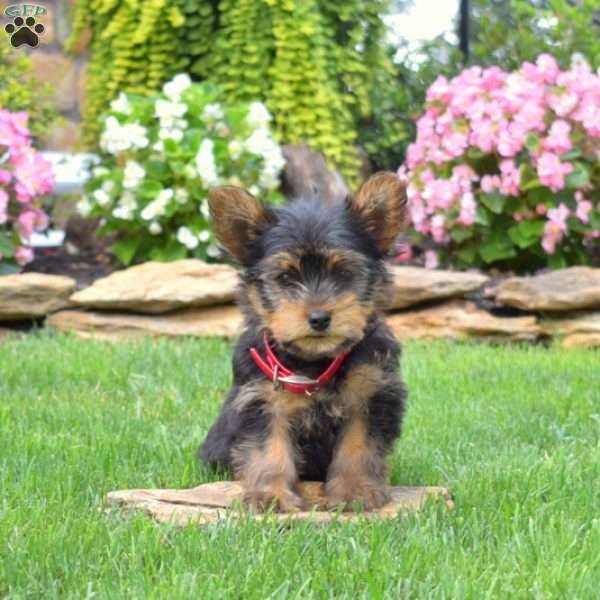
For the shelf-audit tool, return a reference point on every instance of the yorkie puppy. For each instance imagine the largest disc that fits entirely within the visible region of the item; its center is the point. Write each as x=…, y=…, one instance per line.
x=316, y=391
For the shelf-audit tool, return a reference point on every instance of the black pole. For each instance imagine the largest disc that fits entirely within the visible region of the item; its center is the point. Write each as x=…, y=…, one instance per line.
x=463, y=29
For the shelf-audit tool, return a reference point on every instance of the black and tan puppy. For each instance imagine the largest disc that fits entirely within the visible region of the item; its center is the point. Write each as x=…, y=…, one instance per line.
x=316, y=392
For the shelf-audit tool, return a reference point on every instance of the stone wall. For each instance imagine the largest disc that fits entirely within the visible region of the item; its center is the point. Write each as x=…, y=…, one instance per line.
x=53, y=65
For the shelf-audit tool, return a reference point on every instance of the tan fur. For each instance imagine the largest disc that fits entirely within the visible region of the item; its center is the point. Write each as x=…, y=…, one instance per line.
x=381, y=204
x=357, y=473
x=267, y=469
x=236, y=215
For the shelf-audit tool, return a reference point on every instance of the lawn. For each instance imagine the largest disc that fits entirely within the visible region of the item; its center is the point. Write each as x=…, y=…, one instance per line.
x=514, y=432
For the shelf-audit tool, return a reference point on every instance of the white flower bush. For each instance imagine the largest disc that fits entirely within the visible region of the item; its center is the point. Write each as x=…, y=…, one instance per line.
x=161, y=155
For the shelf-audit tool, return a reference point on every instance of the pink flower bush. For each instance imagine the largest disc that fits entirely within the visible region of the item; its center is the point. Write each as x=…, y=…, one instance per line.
x=24, y=177
x=505, y=167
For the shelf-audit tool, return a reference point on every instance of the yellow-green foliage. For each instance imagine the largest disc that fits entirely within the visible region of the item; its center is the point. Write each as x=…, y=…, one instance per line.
x=319, y=65
x=19, y=92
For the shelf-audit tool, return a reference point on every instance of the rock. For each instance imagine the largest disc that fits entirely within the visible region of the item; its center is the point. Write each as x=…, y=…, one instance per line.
x=156, y=287
x=306, y=171
x=33, y=295
x=579, y=329
x=461, y=320
x=568, y=289
x=413, y=285
x=210, y=502
x=216, y=320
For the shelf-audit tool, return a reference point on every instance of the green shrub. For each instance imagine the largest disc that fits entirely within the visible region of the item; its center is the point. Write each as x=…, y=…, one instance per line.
x=159, y=156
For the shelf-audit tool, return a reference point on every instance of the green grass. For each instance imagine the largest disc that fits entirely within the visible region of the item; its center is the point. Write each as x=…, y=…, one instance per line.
x=514, y=432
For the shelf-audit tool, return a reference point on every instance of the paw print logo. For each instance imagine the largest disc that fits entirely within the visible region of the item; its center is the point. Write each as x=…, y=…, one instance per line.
x=24, y=31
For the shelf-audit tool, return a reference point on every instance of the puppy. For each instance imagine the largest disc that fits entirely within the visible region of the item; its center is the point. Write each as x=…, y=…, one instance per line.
x=316, y=389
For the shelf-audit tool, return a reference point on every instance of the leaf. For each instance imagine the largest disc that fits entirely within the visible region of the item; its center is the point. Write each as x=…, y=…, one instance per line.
x=157, y=169
x=497, y=247
x=8, y=268
x=494, y=201
x=460, y=234
x=579, y=177
x=526, y=233
x=6, y=248
x=125, y=249
x=557, y=260
x=149, y=189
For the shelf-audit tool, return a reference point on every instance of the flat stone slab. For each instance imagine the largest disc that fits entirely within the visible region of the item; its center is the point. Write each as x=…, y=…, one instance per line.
x=215, y=320
x=574, y=288
x=577, y=330
x=156, y=287
x=211, y=502
x=413, y=285
x=33, y=295
x=459, y=319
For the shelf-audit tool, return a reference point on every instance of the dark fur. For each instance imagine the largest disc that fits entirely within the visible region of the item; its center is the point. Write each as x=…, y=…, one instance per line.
x=332, y=258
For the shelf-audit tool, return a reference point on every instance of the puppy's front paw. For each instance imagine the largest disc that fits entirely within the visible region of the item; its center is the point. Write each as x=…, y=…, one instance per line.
x=353, y=494
x=282, y=500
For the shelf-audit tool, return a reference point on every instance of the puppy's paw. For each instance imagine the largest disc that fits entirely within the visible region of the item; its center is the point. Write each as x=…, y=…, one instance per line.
x=353, y=495
x=281, y=500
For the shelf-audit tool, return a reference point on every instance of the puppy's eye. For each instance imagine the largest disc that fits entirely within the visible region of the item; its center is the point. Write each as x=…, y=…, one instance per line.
x=346, y=275
x=285, y=279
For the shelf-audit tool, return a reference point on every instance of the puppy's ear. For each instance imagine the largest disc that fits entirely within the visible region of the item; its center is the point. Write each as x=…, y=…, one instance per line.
x=380, y=204
x=238, y=218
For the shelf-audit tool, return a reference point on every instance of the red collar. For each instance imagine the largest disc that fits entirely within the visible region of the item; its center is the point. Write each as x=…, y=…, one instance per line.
x=290, y=381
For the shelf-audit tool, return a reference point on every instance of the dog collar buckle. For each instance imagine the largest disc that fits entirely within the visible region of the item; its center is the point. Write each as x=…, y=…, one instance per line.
x=290, y=381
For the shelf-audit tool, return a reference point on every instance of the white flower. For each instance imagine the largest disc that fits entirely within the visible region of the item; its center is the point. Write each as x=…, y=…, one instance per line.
x=122, y=212
x=181, y=195
x=258, y=115
x=221, y=129
x=164, y=109
x=159, y=146
x=204, y=235
x=155, y=228
x=121, y=104
x=235, y=148
x=213, y=112
x=204, y=209
x=84, y=206
x=172, y=134
x=205, y=163
x=254, y=190
x=108, y=186
x=187, y=238
x=100, y=171
x=133, y=174
x=213, y=251
x=174, y=88
x=101, y=197
x=158, y=206
x=117, y=138
x=128, y=200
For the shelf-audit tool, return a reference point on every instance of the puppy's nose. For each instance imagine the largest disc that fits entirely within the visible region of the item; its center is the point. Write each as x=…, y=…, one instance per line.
x=319, y=320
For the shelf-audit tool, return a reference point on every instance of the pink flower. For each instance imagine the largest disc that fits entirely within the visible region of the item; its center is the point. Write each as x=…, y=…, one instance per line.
x=489, y=183
x=552, y=172
x=584, y=207
x=437, y=228
x=3, y=207
x=510, y=178
x=548, y=67
x=558, y=139
x=555, y=227
x=540, y=209
x=431, y=259
x=5, y=177
x=468, y=208
x=30, y=220
x=439, y=90
x=23, y=255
